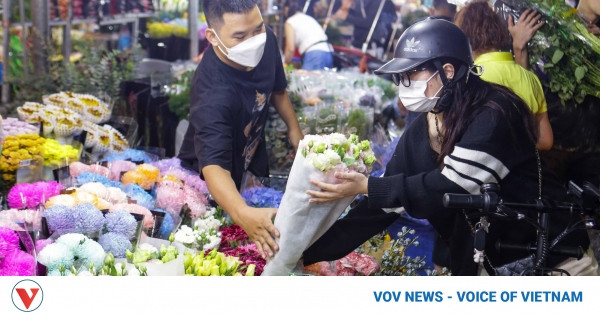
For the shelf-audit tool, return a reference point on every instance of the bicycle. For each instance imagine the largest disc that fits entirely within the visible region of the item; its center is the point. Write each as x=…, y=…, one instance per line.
x=585, y=202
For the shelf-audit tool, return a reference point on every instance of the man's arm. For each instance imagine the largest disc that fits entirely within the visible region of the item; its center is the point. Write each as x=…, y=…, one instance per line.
x=284, y=108
x=256, y=222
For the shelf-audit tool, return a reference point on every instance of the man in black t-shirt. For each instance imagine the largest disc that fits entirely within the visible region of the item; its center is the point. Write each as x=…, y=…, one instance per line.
x=240, y=73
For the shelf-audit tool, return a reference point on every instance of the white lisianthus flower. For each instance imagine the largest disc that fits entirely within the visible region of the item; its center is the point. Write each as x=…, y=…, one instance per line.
x=337, y=139
x=185, y=235
x=214, y=242
x=207, y=224
x=148, y=247
x=320, y=162
x=333, y=158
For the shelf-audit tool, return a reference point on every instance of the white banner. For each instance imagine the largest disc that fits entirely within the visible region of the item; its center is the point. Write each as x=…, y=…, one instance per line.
x=300, y=295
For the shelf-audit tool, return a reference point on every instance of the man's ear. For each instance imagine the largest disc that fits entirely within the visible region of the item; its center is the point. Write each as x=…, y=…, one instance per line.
x=212, y=37
x=448, y=70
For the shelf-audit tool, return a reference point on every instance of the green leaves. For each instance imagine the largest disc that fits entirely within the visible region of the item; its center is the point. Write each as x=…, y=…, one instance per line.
x=558, y=54
x=580, y=73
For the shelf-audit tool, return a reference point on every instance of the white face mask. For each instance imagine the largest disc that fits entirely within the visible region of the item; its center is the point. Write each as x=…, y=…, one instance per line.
x=414, y=99
x=247, y=53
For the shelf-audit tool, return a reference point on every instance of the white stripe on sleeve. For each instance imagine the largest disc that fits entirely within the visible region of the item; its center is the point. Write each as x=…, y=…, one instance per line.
x=467, y=184
x=472, y=171
x=482, y=158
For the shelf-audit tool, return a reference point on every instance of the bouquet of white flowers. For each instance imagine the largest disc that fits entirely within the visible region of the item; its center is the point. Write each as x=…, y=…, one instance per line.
x=299, y=222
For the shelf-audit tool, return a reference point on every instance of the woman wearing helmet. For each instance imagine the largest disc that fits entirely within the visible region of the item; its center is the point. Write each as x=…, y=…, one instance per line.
x=469, y=133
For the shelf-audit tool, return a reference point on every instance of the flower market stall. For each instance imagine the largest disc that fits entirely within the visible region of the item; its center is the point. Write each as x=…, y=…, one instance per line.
x=77, y=200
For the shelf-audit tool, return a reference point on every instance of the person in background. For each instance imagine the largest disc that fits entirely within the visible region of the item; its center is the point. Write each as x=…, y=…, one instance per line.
x=589, y=11
x=469, y=132
x=304, y=33
x=576, y=152
x=239, y=75
x=361, y=14
x=490, y=41
x=441, y=9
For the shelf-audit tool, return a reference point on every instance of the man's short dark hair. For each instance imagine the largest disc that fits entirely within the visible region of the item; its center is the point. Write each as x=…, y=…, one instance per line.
x=215, y=9
x=441, y=4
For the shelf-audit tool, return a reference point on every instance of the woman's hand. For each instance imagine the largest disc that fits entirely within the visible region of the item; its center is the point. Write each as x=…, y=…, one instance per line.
x=354, y=184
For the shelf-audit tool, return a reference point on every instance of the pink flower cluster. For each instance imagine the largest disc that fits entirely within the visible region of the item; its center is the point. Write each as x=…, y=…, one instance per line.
x=230, y=235
x=356, y=264
x=170, y=197
x=352, y=265
x=248, y=254
x=77, y=168
x=13, y=261
x=28, y=195
x=117, y=167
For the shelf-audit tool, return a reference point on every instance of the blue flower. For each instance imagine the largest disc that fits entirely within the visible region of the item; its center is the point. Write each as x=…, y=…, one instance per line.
x=115, y=243
x=138, y=194
x=59, y=218
x=88, y=252
x=88, y=219
x=121, y=222
x=262, y=197
x=88, y=177
x=167, y=226
x=56, y=255
x=129, y=154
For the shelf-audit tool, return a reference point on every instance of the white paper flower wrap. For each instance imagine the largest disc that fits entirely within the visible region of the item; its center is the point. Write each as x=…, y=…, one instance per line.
x=299, y=222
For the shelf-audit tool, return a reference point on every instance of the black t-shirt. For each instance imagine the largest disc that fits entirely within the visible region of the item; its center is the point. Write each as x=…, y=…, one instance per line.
x=228, y=112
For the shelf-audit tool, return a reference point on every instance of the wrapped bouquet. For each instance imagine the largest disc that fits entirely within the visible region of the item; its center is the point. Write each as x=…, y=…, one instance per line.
x=299, y=222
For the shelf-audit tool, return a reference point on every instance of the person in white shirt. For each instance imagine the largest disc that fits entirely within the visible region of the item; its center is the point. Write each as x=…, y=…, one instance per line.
x=306, y=34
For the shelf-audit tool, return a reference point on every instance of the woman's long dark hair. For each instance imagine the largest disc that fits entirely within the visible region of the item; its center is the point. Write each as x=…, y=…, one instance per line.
x=468, y=98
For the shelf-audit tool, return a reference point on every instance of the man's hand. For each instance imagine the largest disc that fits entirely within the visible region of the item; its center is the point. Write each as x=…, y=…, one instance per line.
x=522, y=32
x=593, y=29
x=354, y=184
x=525, y=28
x=258, y=224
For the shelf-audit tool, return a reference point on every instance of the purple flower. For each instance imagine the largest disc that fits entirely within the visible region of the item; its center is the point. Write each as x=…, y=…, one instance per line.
x=88, y=219
x=115, y=243
x=59, y=218
x=9, y=241
x=18, y=263
x=167, y=164
x=121, y=222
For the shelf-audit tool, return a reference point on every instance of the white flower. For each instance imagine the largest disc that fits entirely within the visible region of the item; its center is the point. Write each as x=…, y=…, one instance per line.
x=214, y=242
x=333, y=158
x=319, y=161
x=336, y=139
x=185, y=235
x=207, y=224
x=147, y=247
x=210, y=212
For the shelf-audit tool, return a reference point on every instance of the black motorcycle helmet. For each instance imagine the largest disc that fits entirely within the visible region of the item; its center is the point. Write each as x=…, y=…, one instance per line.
x=431, y=41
